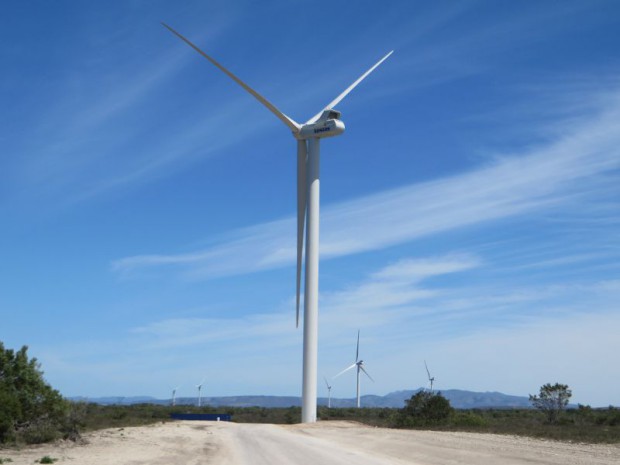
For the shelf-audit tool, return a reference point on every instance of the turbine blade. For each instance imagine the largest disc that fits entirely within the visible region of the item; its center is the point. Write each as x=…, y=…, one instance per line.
x=285, y=119
x=345, y=370
x=302, y=153
x=326, y=383
x=362, y=368
x=427, y=372
x=357, y=351
x=337, y=100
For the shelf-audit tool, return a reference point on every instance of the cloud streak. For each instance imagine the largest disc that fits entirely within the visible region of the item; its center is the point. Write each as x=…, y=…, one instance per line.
x=576, y=166
x=379, y=300
x=404, y=316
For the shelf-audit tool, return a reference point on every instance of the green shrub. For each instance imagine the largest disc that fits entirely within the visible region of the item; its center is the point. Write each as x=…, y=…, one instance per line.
x=552, y=400
x=424, y=409
x=47, y=459
x=31, y=410
x=38, y=432
x=469, y=419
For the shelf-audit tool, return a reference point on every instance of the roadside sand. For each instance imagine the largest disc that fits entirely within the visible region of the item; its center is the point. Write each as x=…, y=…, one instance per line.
x=197, y=443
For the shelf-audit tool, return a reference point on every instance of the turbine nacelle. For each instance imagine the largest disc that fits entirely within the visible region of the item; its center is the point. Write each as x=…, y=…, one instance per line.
x=329, y=114
x=321, y=129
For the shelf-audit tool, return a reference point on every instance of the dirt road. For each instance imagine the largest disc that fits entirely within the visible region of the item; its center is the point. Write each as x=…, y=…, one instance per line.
x=328, y=443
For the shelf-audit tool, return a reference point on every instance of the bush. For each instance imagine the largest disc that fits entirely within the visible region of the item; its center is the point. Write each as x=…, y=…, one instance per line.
x=425, y=409
x=47, y=459
x=39, y=431
x=552, y=400
x=31, y=410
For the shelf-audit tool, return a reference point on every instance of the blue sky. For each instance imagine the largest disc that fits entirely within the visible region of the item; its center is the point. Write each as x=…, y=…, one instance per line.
x=469, y=214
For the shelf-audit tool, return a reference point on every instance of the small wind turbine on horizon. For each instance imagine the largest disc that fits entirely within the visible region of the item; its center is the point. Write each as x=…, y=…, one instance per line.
x=329, y=393
x=360, y=367
x=308, y=135
x=431, y=379
x=199, y=386
x=174, y=395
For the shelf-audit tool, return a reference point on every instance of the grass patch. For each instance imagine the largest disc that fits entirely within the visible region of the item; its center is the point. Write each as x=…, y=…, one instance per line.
x=576, y=425
x=46, y=459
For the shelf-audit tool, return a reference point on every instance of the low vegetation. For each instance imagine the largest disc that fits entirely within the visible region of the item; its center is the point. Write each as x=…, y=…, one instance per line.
x=31, y=412
x=425, y=409
x=432, y=411
x=583, y=424
x=47, y=459
x=552, y=400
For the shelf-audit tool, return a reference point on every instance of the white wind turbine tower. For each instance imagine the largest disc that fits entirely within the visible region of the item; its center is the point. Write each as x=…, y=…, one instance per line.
x=199, y=386
x=174, y=395
x=329, y=393
x=360, y=367
x=431, y=379
x=324, y=124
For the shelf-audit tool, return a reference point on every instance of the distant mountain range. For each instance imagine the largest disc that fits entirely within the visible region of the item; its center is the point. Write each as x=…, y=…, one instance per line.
x=458, y=399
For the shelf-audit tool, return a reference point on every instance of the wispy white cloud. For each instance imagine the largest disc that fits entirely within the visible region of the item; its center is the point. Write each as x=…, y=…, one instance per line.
x=78, y=120
x=413, y=270
x=525, y=335
x=392, y=302
x=573, y=349
x=393, y=292
x=405, y=315
x=104, y=128
x=394, y=286
x=573, y=168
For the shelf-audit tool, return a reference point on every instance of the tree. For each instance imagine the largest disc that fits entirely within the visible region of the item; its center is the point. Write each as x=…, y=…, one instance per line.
x=552, y=400
x=31, y=409
x=425, y=408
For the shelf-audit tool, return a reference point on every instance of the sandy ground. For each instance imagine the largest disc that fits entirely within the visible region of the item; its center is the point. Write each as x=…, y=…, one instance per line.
x=194, y=443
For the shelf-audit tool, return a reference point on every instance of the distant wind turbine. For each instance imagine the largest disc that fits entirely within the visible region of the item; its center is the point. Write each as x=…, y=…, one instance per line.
x=329, y=393
x=360, y=367
x=431, y=379
x=199, y=386
x=174, y=395
x=324, y=124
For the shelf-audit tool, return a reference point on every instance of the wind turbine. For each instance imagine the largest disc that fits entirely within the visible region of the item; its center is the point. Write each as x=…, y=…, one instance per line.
x=174, y=395
x=430, y=378
x=329, y=393
x=360, y=367
x=324, y=124
x=199, y=386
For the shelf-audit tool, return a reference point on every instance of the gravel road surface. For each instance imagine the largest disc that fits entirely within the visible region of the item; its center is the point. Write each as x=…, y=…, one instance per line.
x=326, y=443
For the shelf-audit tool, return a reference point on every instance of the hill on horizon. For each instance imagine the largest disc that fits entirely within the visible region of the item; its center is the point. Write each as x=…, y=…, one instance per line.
x=459, y=399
